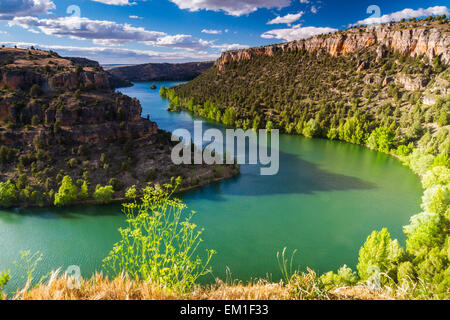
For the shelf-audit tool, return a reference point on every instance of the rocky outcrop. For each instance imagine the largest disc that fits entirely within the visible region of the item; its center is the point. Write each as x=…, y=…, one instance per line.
x=21, y=79
x=75, y=94
x=412, y=84
x=85, y=79
x=431, y=42
x=161, y=71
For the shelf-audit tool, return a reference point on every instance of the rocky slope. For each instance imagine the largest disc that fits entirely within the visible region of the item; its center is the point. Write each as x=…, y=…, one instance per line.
x=161, y=71
x=409, y=38
x=61, y=118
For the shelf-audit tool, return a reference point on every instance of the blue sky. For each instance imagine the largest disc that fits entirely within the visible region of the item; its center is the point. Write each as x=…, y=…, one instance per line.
x=140, y=31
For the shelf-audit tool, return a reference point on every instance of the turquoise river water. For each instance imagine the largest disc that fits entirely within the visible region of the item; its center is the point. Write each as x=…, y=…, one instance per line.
x=326, y=199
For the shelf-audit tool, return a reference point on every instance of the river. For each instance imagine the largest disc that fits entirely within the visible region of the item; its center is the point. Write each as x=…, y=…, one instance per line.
x=326, y=199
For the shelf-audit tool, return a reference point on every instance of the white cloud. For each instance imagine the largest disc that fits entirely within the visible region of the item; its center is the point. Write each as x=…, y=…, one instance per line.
x=405, y=14
x=314, y=9
x=116, y=2
x=135, y=17
x=288, y=19
x=20, y=8
x=84, y=28
x=211, y=31
x=181, y=41
x=120, y=55
x=109, y=33
x=297, y=32
x=231, y=7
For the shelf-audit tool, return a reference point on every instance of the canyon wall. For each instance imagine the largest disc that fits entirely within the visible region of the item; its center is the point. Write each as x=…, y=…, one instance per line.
x=430, y=42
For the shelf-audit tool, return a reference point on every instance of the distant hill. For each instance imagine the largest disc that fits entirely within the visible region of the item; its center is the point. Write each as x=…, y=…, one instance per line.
x=394, y=75
x=161, y=71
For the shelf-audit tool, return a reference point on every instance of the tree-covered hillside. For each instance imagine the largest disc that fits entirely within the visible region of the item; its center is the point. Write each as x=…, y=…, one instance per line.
x=377, y=97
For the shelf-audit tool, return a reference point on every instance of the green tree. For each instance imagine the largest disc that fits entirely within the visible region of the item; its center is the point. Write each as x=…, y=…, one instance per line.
x=8, y=194
x=256, y=123
x=103, y=195
x=269, y=126
x=229, y=117
x=84, y=190
x=4, y=279
x=443, y=118
x=333, y=133
x=352, y=131
x=378, y=253
x=67, y=194
x=381, y=139
x=162, y=91
x=436, y=176
x=311, y=129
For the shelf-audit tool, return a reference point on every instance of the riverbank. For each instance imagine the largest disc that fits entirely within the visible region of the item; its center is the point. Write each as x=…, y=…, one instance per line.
x=228, y=173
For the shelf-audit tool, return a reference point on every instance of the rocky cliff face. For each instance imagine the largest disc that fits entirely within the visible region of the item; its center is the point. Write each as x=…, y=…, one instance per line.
x=428, y=41
x=21, y=79
x=76, y=97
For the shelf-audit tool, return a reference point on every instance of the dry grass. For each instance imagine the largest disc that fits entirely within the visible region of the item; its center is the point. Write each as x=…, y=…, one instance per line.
x=124, y=288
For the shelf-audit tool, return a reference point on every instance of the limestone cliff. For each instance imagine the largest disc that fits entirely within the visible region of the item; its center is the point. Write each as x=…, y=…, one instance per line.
x=414, y=40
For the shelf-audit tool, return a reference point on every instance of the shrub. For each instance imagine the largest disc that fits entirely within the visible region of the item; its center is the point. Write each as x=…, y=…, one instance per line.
x=381, y=139
x=72, y=163
x=159, y=244
x=419, y=161
x=345, y=277
x=67, y=194
x=103, y=195
x=162, y=91
x=84, y=190
x=405, y=272
x=4, y=279
x=436, y=176
x=379, y=254
x=8, y=194
x=311, y=129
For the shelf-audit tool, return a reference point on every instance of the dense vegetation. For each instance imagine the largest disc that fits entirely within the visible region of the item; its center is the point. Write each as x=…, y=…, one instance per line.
x=362, y=99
